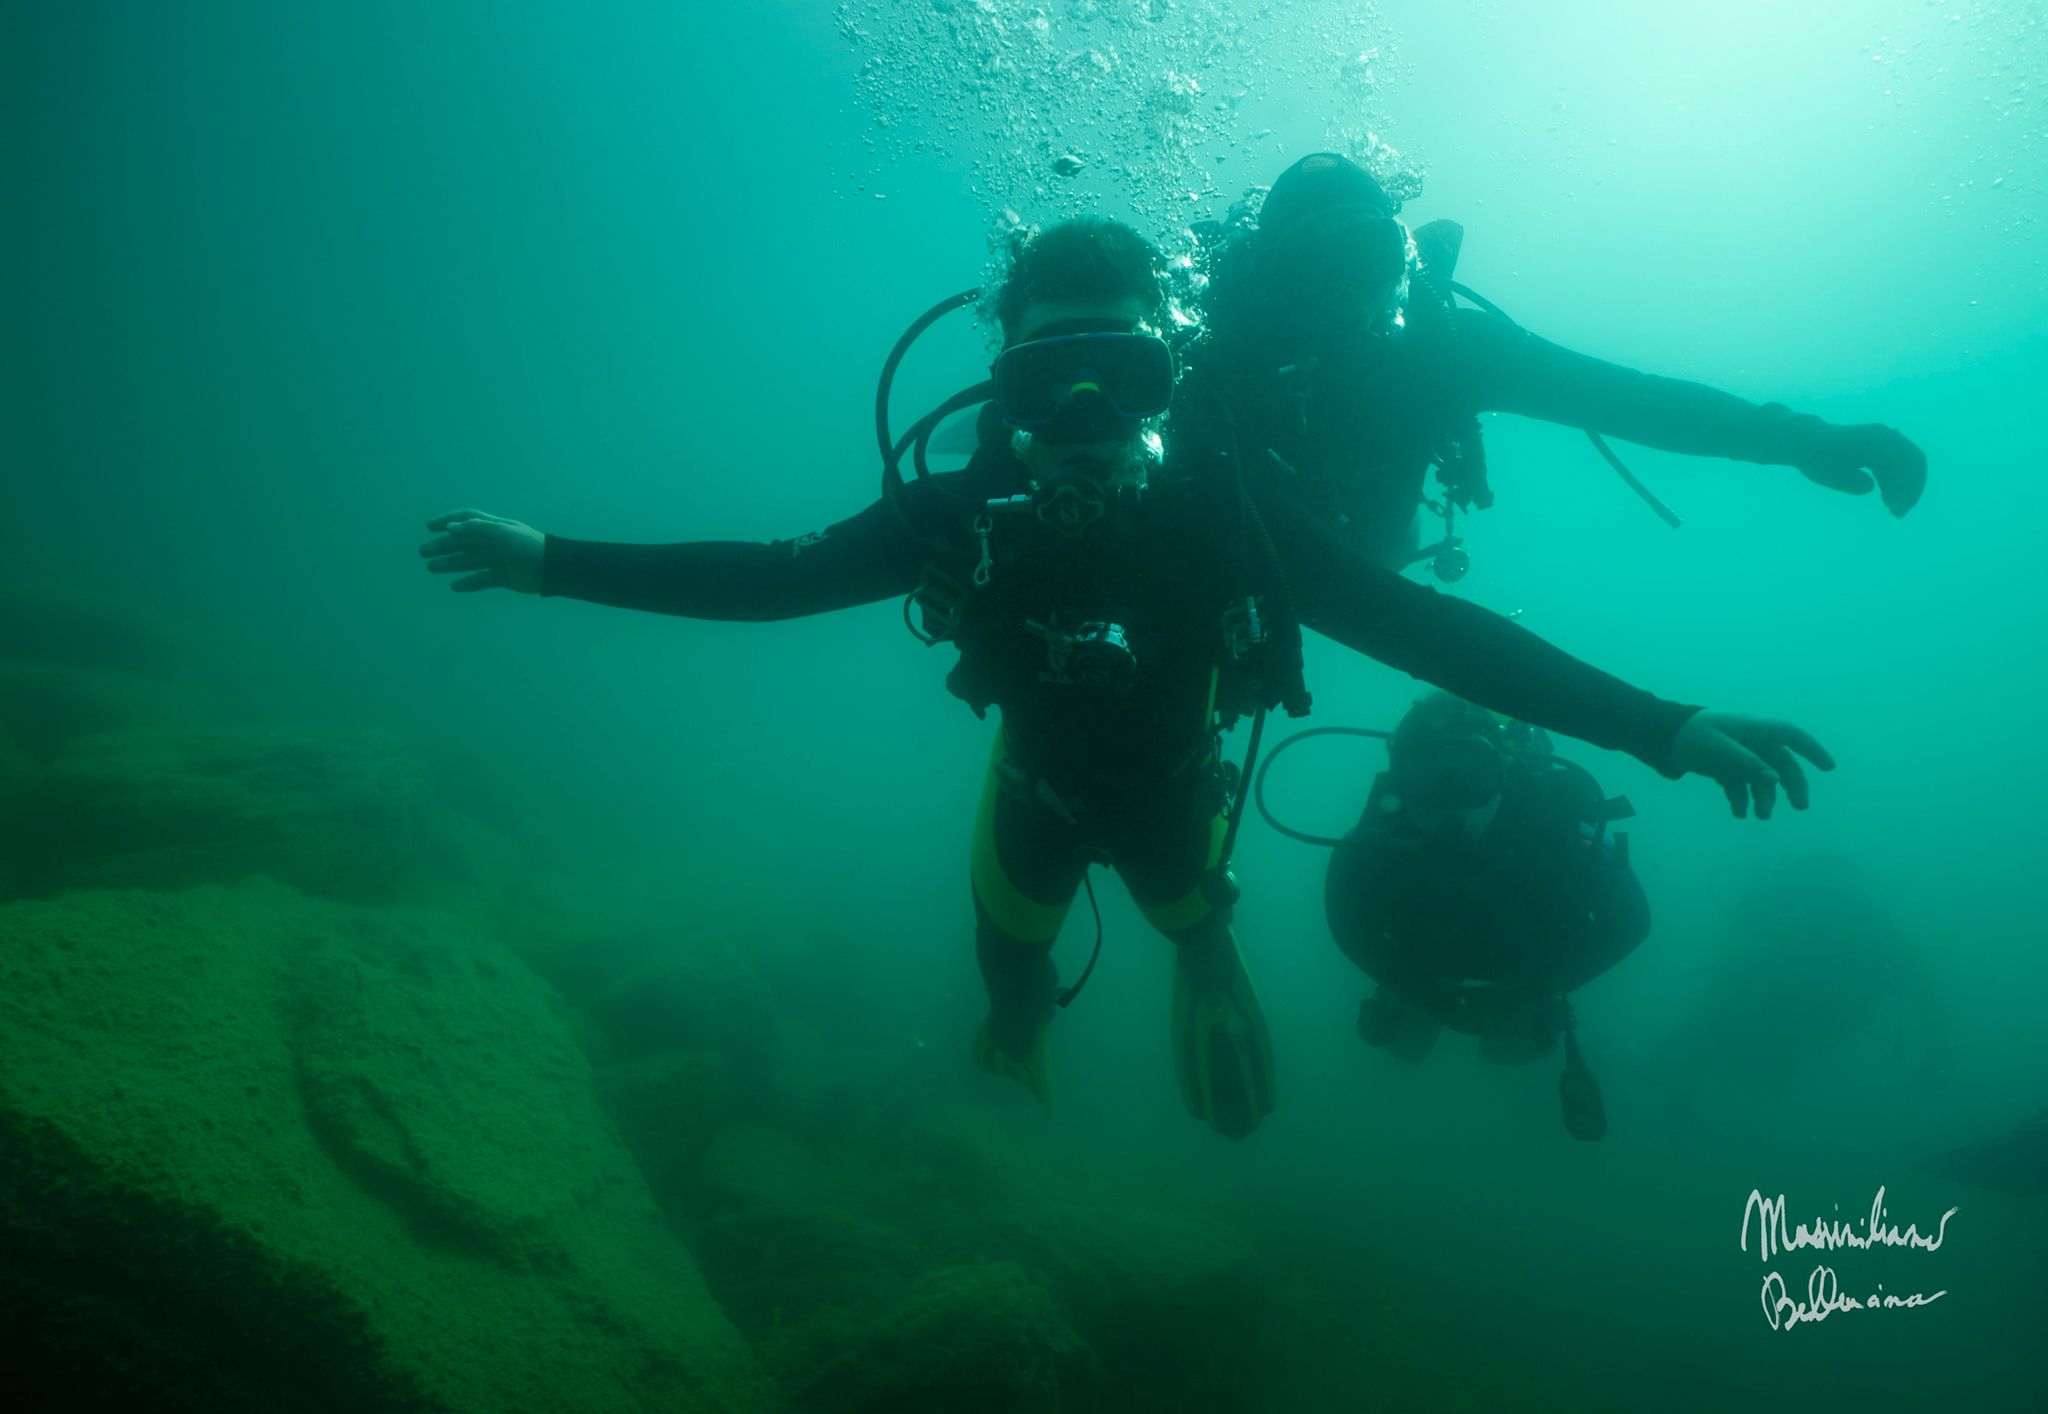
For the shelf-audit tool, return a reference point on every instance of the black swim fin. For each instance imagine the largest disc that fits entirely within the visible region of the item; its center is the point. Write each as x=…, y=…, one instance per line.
x=1585, y=1113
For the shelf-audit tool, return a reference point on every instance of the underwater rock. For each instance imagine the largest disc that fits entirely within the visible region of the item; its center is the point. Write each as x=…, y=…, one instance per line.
x=983, y=1337
x=18, y=775
x=944, y=1160
x=340, y=815
x=34, y=629
x=421, y=1063
x=667, y=1108
x=803, y=1255
x=696, y=994
x=68, y=670
x=117, y=1293
x=1168, y=1305
x=267, y=1152
x=46, y=707
x=787, y=1273
x=850, y=1315
x=584, y=932
x=752, y=1166
x=839, y=1096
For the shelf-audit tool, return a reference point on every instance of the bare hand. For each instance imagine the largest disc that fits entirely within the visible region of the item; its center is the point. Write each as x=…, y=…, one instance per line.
x=489, y=552
x=1750, y=757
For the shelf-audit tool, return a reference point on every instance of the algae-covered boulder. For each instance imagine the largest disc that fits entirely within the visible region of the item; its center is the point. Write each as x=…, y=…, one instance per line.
x=667, y=1108
x=421, y=1059
x=585, y=924
x=1169, y=1305
x=17, y=783
x=947, y=1163
x=266, y=1152
x=68, y=669
x=846, y=1096
x=46, y=707
x=752, y=1165
x=696, y=994
x=35, y=628
x=797, y=1278
x=800, y=1268
x=983, y=1338
x=571, y=930
x=345, y=816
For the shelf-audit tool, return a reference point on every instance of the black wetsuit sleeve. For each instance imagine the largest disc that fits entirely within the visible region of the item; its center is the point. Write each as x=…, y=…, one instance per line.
x=1503, y=368
x=1463, y=648
x=869, y=557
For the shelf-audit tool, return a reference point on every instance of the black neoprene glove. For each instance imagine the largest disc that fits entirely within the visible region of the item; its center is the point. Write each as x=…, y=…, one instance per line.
x=1856, y=458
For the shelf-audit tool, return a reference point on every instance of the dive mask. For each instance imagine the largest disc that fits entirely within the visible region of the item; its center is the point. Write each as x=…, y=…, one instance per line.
x=1449, y=773
x=1127, y=376
x=1346, y=265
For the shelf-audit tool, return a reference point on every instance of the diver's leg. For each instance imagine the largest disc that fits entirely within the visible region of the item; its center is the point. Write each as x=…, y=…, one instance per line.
x=1222, y=1051
x=1026, y=865
x=1578, y=1092
x=1616, y=925
x=1405, y=1032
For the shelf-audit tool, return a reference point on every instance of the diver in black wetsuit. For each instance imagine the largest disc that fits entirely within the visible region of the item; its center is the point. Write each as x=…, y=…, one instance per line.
x=1334, y=357
x=1479, y=889
x=1117, y=609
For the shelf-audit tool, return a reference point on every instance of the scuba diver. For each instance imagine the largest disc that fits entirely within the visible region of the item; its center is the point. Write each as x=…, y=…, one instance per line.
x=1480, y=887
x=1334, y=354
x=1119, y=607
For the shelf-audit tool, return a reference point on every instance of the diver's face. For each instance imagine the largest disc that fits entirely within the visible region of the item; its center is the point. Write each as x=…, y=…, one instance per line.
x=1449, y=826
x=1332, y=278
x=1450, y=786
x=1117, y=449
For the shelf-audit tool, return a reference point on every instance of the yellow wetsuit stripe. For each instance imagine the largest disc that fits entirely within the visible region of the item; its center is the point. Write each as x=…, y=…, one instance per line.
x=1009, y=908
x=1191, y=907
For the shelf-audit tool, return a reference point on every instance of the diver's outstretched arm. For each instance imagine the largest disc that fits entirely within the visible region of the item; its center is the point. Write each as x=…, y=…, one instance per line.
x=1484, y=658
x=1507, y=369
x=867, y=558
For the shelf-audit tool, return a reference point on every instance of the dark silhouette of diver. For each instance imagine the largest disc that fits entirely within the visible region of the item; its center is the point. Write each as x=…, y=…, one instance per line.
x=1481, y=887
x=1333, y=353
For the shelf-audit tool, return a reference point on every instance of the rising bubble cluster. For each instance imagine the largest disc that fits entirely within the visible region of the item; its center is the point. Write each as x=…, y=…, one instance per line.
x=1988, y=60
x=1142, y=108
